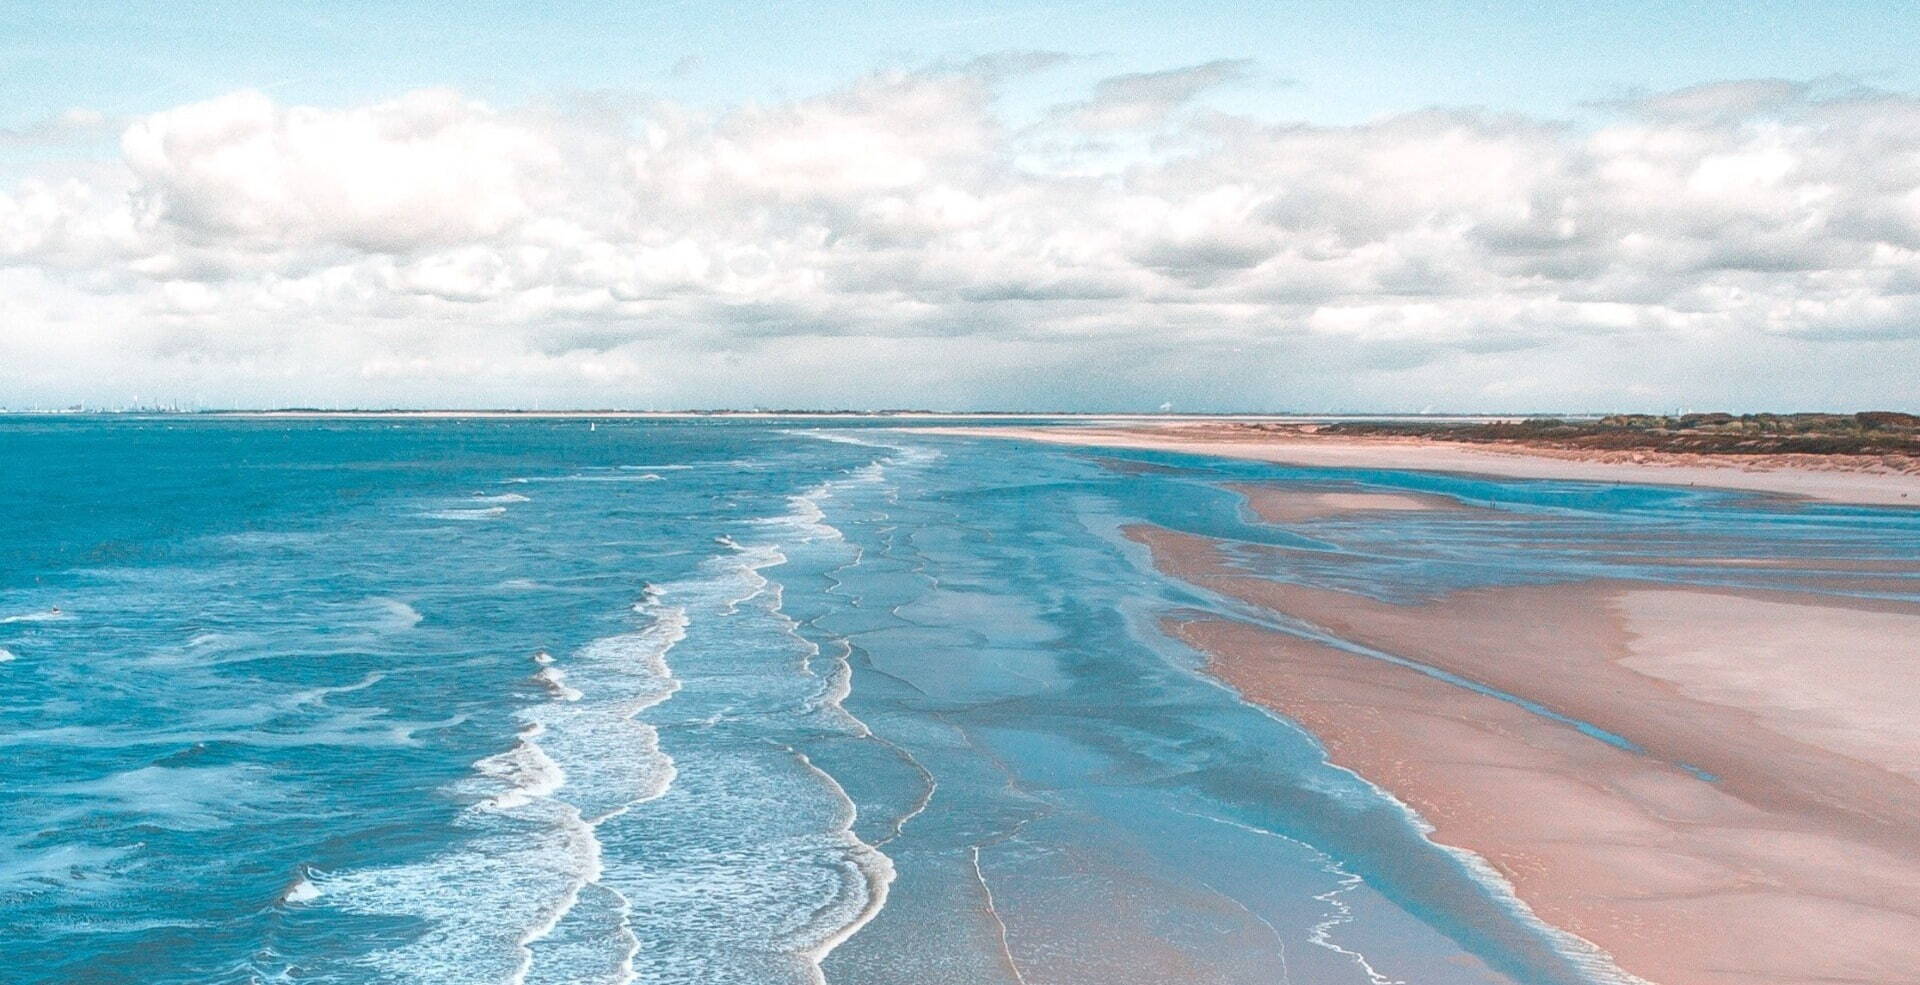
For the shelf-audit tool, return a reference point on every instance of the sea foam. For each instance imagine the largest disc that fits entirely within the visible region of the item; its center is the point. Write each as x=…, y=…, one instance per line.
x=302, y=891
x=482, y=513
x=50, y=615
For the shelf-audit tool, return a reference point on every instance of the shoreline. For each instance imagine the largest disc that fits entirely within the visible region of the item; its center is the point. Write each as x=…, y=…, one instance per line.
x=1829, y=479
x=1798, y=858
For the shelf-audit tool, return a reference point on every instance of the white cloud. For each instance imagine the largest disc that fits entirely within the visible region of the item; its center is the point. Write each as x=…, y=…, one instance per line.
x=427, y=169
x=896, y=243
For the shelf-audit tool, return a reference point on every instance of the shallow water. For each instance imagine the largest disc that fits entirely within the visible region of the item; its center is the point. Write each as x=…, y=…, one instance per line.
x=718, y=701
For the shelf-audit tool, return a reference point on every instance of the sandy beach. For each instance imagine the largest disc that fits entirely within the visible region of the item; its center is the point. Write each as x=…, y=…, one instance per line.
x=1798, y=860
x=1833, y=478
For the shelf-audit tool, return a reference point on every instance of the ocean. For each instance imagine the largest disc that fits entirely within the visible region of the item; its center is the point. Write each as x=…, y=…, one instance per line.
x=550, y=700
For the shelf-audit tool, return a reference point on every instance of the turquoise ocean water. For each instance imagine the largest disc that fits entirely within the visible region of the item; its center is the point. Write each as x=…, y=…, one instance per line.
x=719, y=701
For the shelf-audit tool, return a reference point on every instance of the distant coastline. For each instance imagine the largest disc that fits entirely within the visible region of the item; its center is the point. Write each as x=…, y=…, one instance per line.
x=1710, y=433
x=1871, y=465
x=1883, y=479
x=506, y=412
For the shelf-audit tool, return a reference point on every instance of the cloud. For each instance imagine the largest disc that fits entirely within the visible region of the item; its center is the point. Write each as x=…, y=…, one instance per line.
x=896, y=242
x=75, y=125
x=429, y=168
x=1719, y=102
x=1146, y=99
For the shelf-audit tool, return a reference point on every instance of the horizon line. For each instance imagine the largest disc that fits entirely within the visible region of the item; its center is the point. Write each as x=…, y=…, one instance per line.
x=1288, y=415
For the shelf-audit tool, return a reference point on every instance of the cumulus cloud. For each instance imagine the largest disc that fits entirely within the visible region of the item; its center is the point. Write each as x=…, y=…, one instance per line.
x=897, y=242
x=427, y=169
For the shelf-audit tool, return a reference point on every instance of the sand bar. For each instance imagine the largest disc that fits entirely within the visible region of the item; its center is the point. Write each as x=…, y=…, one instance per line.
x=1800, y=863
x=1284, y=504
x=1836, y=479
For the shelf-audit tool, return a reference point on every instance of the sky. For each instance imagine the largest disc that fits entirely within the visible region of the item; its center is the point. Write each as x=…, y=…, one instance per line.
x=1311, y=206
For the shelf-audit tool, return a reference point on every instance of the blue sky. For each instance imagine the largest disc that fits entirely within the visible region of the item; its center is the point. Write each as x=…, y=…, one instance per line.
x=1346, y=60
x=992, y=205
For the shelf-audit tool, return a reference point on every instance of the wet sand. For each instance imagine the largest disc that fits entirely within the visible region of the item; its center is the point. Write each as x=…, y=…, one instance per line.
x=1283, y=505
x=1799, y=862
x=1837, y=479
